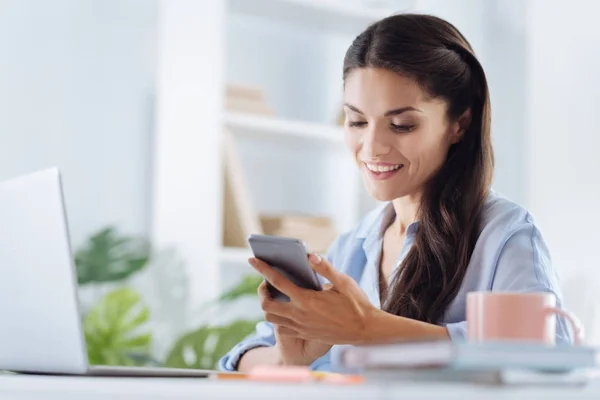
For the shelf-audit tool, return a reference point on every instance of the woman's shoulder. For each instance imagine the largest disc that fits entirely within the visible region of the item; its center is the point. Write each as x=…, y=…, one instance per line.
x=510, y=242
x=512, y=249
x=502, y=215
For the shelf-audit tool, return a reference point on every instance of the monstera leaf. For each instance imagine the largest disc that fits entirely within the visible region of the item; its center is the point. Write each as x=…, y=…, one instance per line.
x=111, y=329
x=204, y=347
x=247, y=287
x=109, y=257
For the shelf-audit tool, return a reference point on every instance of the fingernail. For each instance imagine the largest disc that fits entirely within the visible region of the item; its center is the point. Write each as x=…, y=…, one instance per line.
x=252, y=262
x=315, y=258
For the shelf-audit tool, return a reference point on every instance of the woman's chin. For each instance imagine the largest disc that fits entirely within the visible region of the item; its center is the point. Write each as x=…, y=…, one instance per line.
x=384, y=195
x=388, y=191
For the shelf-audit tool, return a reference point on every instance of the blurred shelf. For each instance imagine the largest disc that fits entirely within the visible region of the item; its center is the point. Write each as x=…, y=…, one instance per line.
x=235, y=255
x=330, y=15
x=269, y=126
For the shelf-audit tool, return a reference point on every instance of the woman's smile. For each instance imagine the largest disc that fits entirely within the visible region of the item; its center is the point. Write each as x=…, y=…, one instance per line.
x=382, y=171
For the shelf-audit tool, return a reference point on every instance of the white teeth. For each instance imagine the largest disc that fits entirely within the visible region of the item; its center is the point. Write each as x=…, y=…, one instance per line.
x=381, y=168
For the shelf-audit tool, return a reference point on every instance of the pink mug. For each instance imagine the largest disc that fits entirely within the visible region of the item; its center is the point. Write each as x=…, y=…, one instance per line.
x=512, y=316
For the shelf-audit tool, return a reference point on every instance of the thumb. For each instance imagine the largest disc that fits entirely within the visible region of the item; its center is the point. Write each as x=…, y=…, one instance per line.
x=325, y=269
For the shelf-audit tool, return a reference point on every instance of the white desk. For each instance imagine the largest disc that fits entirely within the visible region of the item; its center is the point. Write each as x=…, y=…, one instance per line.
x=53, y=388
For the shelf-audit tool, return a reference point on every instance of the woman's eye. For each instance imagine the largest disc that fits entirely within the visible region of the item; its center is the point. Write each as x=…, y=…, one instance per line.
x=357, y=124
x=403, y=128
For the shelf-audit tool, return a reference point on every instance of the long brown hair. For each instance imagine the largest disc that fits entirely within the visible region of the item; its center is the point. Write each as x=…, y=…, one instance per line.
x=434, y=53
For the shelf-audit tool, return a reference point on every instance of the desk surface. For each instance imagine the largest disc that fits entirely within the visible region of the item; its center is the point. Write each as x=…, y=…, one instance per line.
x=30, y=387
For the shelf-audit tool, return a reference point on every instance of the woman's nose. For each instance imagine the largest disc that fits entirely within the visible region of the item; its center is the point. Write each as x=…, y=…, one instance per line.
x=375, y=143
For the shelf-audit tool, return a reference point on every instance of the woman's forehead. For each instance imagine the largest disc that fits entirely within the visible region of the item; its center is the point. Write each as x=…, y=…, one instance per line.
x=376, y=90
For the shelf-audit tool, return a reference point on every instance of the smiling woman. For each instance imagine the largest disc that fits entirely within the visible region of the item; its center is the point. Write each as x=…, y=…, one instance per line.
x=418, y=124
x=420, y=139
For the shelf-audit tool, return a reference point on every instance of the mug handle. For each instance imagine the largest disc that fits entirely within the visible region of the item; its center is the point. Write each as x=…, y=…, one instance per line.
x=573, y=321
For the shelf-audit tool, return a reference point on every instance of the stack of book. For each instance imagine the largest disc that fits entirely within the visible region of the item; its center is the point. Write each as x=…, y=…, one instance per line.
x=246, y=99
x=316, y=231
x=486, y=363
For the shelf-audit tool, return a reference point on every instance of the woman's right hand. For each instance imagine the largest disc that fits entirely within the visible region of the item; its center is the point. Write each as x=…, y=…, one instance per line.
x=288, y=350
x=292, y=350
x=295, y=351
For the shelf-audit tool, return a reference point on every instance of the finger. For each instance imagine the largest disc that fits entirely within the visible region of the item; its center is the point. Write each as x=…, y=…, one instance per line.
x=275, y=278
x=263, y=292
x=285, y=331
x=326, y=270
x=268, y=305
x=280, y=321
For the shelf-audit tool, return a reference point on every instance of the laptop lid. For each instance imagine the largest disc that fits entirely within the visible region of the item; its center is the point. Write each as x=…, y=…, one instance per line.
x=40, y=324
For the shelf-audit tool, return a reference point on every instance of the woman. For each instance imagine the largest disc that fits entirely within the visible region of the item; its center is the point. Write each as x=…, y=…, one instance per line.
x=418, y=124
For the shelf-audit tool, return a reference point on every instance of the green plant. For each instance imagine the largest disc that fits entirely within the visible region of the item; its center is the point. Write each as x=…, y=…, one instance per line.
x=110, y=257
x=203, y=347
x=111, y=325
x=247, y=287
x=111, y=329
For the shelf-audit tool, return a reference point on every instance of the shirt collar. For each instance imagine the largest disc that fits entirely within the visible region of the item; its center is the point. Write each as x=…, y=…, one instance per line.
x=378, y=220
x=371, y=233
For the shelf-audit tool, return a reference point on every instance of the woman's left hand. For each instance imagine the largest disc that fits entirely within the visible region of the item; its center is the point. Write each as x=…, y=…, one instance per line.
x=336, y=315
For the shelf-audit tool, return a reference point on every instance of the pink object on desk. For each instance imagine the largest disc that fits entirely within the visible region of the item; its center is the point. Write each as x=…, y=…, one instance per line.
x=529, y=317
x=281, y=374
x=300, y=374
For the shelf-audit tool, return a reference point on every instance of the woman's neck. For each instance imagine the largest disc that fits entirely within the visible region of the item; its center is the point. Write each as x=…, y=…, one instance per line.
x=406, y=209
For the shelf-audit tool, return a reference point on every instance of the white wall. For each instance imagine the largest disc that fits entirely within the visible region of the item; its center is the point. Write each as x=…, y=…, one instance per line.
x=76, y=90
x=505, y=63
x=563, y=185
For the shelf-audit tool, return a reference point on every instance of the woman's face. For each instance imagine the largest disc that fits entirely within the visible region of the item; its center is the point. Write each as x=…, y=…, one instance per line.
x=398, y=136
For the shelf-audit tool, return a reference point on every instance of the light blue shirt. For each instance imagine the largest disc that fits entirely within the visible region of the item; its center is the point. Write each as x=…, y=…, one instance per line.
x=510, y=255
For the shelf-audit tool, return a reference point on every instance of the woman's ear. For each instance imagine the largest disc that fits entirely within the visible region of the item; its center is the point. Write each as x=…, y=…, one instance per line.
x=461, y=126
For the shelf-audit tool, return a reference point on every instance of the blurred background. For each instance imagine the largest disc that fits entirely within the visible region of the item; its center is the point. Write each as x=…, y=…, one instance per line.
x=180, y=126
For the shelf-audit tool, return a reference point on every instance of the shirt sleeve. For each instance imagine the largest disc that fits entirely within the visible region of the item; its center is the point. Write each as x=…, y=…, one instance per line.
x=523, y=265
x=264, y=335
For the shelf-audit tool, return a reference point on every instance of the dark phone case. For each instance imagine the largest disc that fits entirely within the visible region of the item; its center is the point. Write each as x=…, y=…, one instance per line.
x=289, y=257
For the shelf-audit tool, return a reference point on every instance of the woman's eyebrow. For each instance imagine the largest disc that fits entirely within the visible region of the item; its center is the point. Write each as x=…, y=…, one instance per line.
x=389, y=113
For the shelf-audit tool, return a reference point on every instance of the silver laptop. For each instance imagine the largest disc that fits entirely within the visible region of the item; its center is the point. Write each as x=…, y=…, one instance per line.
x=40, y=323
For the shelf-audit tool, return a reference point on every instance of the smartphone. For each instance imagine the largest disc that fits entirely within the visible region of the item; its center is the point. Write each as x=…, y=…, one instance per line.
x=289, y=256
